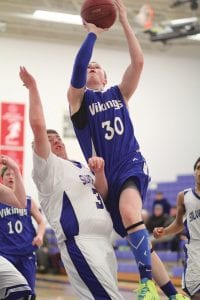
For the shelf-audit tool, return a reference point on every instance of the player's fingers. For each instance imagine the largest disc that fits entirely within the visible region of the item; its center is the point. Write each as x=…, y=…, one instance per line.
x=90, y=162
x=3, y=159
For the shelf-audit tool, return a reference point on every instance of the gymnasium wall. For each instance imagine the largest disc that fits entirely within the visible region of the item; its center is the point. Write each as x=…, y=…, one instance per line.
x=165, y=107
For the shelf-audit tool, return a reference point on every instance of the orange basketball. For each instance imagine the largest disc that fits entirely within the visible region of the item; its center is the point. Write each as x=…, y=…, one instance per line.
x=102, y=13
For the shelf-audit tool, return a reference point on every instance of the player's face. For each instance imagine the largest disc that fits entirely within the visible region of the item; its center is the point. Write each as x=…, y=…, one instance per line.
x=197, y=173
x=95, y=76
x=57, y=146
x=9, y=178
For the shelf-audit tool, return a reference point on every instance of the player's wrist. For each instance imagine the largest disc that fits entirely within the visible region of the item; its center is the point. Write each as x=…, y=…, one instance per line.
x=92, y=34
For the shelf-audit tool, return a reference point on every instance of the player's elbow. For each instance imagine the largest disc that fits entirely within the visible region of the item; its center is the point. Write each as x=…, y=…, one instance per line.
x=139, y=63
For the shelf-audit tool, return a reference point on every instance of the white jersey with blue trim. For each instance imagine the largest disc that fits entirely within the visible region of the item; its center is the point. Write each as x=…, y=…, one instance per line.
x=12, y=283
x=82, y=226
x=191, y=276
x=69, y=199
x=192, y=214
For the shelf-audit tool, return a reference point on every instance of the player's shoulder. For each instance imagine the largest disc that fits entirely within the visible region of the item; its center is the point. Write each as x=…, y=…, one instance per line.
x=187, y=191
x=183, y=195
x=75, y=163
x=113, y=89
x=180, y=197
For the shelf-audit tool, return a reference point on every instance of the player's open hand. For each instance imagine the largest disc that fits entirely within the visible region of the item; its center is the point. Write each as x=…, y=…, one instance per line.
x=27, y=78
x=121, y=9
x=158, y=232
x=96, y=164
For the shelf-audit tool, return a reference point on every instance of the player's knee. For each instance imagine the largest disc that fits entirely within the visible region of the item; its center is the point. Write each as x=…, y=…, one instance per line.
x=134, y=226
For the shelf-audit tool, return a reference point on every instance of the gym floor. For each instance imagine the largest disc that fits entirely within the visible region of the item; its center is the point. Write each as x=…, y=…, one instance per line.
x=57, y=287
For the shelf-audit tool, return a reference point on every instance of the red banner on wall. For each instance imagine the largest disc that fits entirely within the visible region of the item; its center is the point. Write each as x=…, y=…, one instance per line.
x=17, y=155
x=12, y=124
x=12, y=131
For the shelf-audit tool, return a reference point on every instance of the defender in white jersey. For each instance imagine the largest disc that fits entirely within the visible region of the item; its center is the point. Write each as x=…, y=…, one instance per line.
x=188, y=215
x=13, y=285
x=73, y=207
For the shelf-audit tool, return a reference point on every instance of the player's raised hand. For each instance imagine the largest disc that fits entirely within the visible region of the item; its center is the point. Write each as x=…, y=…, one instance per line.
x=27, y=78
x=121, y=9
x=9, y=162
x=96, y=164
x=158, y=232
x=90, y=27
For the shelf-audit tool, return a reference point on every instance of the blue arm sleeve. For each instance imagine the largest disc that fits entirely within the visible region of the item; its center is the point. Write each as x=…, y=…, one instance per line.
x=82, y=60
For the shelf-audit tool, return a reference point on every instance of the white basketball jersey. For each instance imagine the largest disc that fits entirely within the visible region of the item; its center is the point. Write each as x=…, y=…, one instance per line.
x=191, y=275
x=69, y=199
x=192, y=206
x=82, y=226
x=12, y=283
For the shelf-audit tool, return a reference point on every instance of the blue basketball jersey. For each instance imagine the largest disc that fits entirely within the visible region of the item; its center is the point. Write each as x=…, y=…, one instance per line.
x=104, y=128
x=16, y=230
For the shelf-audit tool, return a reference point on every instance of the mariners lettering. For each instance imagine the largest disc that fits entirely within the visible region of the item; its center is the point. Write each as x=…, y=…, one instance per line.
x=99, y=107
x=8, y=211
x=194, y=215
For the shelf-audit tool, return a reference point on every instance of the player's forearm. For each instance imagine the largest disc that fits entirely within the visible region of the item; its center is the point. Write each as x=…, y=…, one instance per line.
x=41, y=229
x=135, y=49
x=36, y=115
x=8, y=197
x=173, y=228
x=101, y=185
x=82, y=60
x=19, y=188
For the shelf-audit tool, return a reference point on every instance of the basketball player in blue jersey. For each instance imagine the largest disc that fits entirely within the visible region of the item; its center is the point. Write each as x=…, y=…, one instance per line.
x=103, y=127
x=13, y=286
x=16, y=197
x=18, y=237
x=188, y=215
x=69, y=195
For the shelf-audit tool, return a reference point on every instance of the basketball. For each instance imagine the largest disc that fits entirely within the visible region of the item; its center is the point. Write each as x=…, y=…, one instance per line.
x=102, y=13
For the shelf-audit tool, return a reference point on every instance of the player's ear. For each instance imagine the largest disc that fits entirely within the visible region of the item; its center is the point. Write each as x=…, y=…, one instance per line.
x=105, y=79
x=105, y=82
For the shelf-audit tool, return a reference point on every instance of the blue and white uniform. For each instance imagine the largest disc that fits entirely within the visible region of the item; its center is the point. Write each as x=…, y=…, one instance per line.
x=82, y=225
x=104, y=128
x=191, y=276
x=12, y=284
x=16, y=235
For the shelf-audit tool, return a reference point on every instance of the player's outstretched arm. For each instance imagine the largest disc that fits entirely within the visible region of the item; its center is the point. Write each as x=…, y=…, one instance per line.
x=132, y=74
x=96, y=165
x=177, y=225
x=16, y=198
x=8, y=197
x=76, y=89
x=36, y=115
